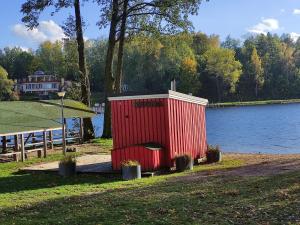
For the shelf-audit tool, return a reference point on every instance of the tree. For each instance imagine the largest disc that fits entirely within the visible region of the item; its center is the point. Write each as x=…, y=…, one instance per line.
x=6, y=86
x=32, y=9
x=135, y=16
x=222, y=67
x=50, y=58
x=256, y=71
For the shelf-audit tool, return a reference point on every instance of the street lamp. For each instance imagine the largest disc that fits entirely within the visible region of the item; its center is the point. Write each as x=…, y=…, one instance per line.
x=62, y=94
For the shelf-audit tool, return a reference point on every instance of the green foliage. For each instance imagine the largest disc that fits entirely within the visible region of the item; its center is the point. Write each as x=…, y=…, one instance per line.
x=183, y=162
x=129, y=163
x=222, y=67
x=6, y=86
x=213, y=154
x=68, y=159
x=51, y=58
x=263, y=67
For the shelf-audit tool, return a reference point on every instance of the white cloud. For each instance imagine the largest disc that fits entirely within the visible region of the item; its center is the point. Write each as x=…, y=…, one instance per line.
x=296, y=11
x=46, y=31
x=266, y=25
x=294, y=36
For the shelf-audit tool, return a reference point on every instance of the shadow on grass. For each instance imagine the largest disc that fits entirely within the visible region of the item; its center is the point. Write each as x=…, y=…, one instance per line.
x=217, y=200
x=21, y=181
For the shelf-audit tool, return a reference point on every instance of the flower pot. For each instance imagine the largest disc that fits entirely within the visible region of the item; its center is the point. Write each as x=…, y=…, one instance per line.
x=131, y=172
x=67, y=169
x=214, y=157
x=184, y=163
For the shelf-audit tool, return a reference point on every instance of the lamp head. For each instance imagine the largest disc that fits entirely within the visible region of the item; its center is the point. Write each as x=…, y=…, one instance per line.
x=61, y=94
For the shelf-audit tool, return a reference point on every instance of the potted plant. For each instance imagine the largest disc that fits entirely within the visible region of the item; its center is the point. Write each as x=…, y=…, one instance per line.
x=184, y=162
x=67, y=166
x=213, y=154
x=131, y=170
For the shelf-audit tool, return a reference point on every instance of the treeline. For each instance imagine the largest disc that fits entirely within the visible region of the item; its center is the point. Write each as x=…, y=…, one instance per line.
x=262, y=67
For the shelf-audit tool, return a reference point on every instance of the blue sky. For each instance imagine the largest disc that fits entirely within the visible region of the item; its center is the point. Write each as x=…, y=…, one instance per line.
x=222, y=17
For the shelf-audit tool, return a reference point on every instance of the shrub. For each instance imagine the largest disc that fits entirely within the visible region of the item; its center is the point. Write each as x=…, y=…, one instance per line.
x=68, y=159
x=213, y=154
x=130, y=163
x=183, y=162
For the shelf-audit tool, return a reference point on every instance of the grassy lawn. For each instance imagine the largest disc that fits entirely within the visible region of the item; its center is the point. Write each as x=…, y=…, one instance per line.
x=178, y=198
x=106, y=144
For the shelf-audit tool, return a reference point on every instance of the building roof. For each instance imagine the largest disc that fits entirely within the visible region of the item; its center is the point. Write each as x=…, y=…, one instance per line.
x=39, y=73
x=25, y=116
x=170, y=94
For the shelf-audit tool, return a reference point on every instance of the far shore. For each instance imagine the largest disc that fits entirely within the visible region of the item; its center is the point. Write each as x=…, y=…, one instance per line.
x=253, y=103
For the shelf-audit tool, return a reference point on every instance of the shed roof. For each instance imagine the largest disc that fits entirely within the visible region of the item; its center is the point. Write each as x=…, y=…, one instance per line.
x=170, y=94
x=25, y=116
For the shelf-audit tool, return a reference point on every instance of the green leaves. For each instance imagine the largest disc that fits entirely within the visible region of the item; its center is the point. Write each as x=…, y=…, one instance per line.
x=6, y=85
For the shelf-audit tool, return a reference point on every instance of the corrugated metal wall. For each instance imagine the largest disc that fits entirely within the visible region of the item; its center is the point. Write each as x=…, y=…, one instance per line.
x=187, y=130
x=177, y=125
x=133, y=125
x=149, y=159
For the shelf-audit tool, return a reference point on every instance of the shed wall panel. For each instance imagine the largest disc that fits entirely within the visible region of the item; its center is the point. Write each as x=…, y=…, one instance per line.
x=179, y=126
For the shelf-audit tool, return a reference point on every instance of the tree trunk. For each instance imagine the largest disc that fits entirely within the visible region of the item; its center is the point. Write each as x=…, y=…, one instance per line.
x=119, y=73
x=218, y=89
x=256, y=90
x=109, y=80
x=84, y=78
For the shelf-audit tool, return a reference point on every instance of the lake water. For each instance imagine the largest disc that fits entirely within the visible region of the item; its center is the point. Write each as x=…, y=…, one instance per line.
x=250, y=129
x=253, y=129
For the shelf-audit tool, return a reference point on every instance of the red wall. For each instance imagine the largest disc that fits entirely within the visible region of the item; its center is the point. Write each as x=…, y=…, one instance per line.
x=187, y=129
x=177, y=125
x=133, y=125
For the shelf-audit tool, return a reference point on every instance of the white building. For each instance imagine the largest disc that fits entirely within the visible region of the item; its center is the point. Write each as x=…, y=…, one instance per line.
x=40, y=84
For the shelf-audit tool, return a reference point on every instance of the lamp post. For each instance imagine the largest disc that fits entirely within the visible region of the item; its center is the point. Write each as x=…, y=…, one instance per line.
x=62, y=94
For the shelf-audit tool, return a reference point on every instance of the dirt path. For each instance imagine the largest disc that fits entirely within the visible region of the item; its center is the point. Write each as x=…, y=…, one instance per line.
x=255, y=165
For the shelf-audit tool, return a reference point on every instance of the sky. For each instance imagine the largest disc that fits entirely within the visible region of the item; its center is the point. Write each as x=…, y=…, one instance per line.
x=236, y=18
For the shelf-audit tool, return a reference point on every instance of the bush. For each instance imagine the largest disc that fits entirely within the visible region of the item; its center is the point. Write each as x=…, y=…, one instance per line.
x=183, y=162
x=129, y=163
x=67, y=166
x=69, y=159
x=213, y=154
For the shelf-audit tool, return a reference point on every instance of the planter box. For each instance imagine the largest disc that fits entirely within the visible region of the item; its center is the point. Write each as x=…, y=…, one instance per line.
x=67, y=169
x=214, y=157
x=131, y=172
x=182, y=164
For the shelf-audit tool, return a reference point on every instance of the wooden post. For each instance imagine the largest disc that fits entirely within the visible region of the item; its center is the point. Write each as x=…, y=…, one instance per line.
x=66, y=132
x=81, y=130
x=22, y=148
x=4, y=144
x=16, y=138
x=51, y=139
x=33, y=139
x=45, y=143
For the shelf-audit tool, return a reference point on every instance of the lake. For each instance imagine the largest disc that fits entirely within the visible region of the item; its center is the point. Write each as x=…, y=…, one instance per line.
x=250, y=129
x=253, y=129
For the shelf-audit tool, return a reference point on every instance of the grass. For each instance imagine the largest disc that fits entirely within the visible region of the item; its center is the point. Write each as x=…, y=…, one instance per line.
x=178, y=198
x=106, y=144
x=253, y=103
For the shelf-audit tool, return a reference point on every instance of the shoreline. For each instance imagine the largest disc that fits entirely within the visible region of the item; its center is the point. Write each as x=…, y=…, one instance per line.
x=252, y=103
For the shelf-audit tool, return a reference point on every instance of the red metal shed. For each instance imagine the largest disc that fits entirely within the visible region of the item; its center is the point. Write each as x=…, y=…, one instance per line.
x=154, y=129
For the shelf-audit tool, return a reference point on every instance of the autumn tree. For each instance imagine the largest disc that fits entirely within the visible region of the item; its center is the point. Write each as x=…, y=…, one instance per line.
x=223, y=69
x=32, y=10
x=256, y=71
x=132, y=17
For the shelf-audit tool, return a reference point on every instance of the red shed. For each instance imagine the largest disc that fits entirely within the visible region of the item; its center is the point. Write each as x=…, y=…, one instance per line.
x=154, y=129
